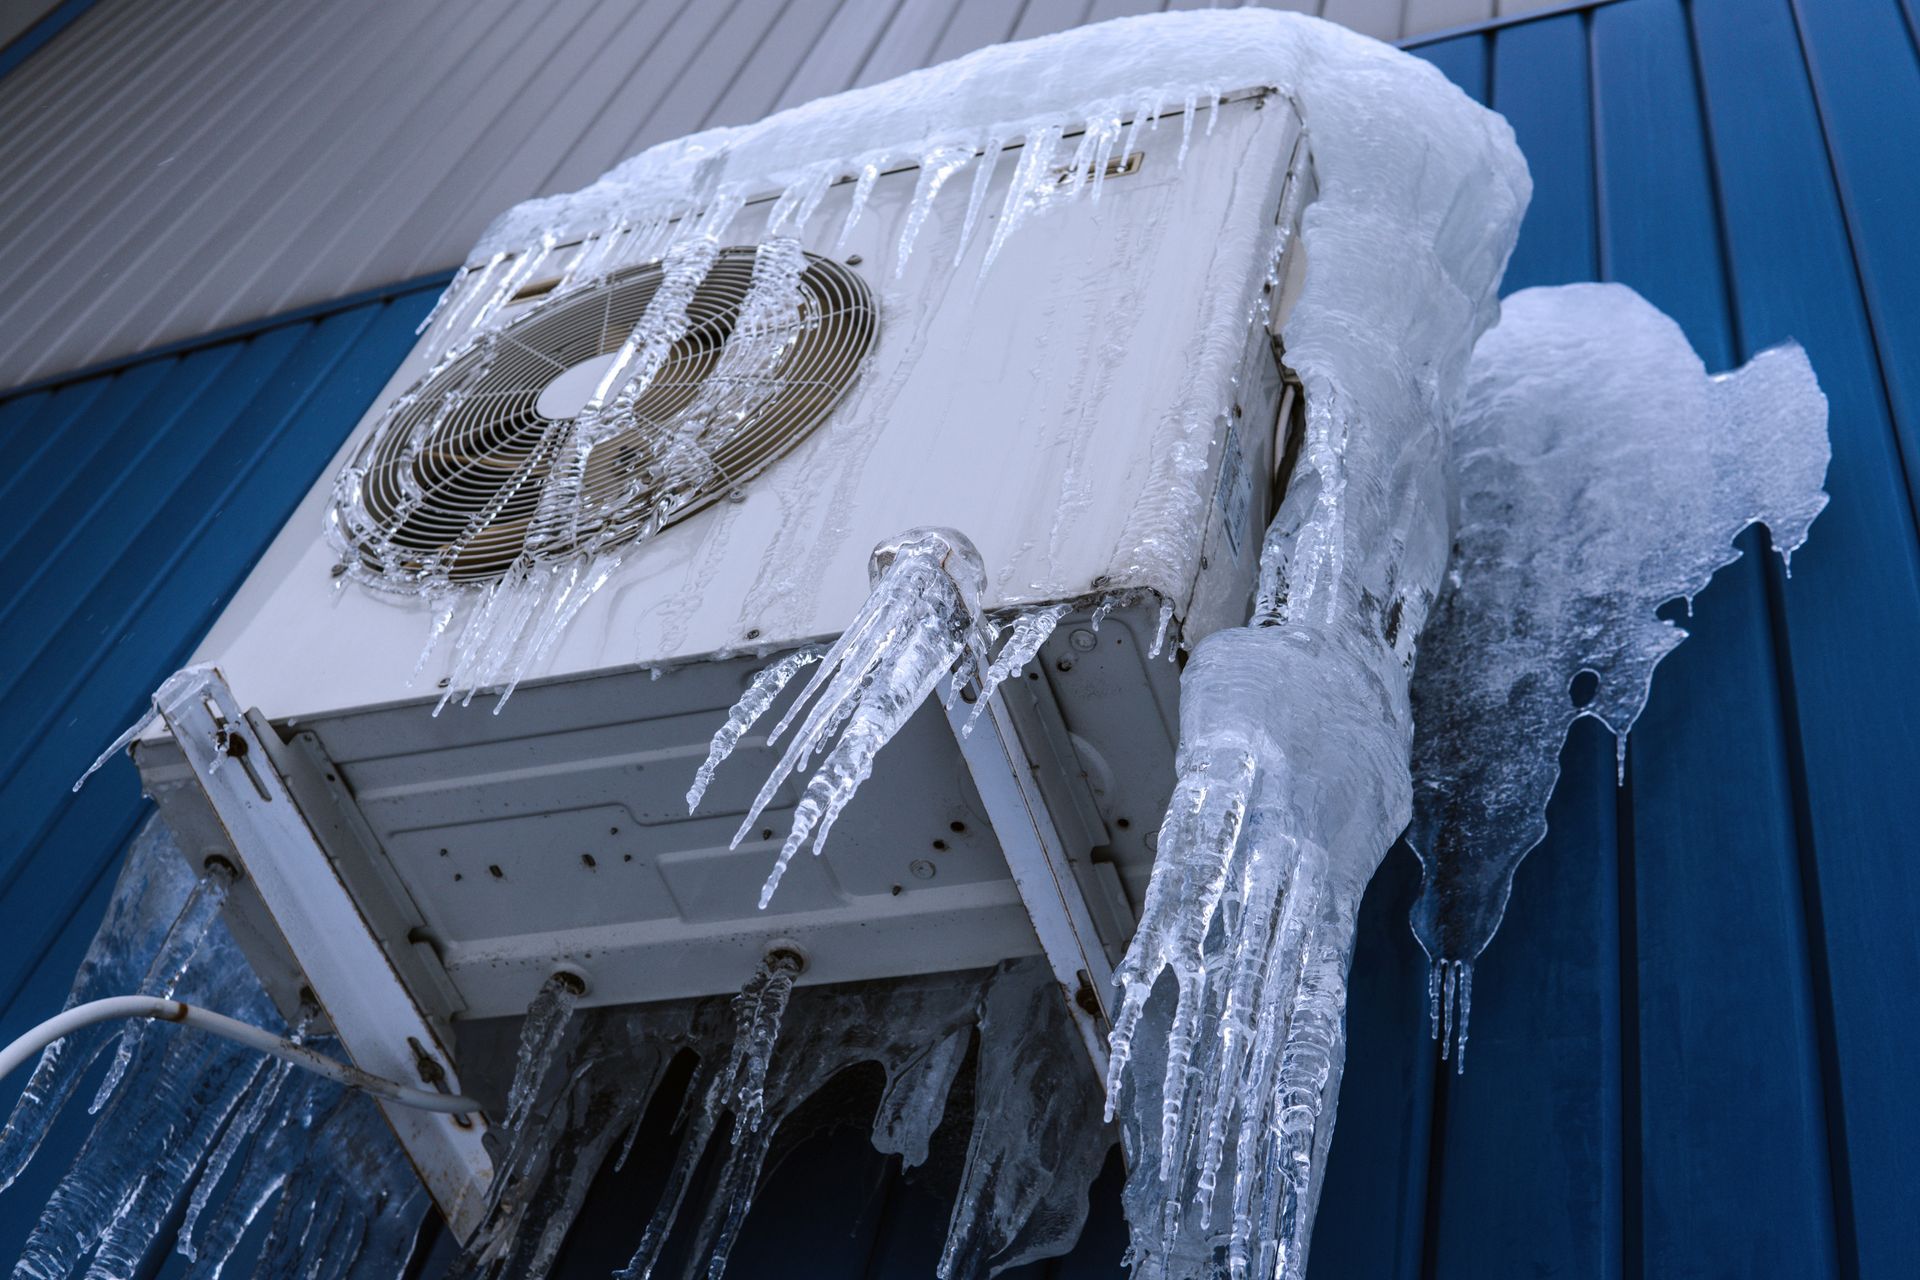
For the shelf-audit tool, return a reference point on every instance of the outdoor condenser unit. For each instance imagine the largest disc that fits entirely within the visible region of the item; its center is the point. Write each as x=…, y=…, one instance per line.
x=415, y=872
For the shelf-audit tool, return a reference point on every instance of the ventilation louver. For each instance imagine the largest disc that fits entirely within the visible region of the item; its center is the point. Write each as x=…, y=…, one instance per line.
x=449, y=484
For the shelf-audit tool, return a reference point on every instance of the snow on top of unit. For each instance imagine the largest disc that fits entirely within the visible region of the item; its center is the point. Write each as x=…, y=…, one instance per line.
x=1345, y=84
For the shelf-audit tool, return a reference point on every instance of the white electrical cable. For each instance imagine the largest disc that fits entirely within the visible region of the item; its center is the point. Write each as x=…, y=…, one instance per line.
x=218, y=1024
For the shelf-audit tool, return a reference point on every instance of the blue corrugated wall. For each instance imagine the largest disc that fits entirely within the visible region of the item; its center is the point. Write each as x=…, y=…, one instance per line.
x=1694, y=1039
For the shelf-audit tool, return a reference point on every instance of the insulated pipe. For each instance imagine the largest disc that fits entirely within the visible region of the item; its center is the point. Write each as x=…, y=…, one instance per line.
x=163, y=1010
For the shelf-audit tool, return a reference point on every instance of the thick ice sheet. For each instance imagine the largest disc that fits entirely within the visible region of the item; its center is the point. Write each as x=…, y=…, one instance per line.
x=1602, y=474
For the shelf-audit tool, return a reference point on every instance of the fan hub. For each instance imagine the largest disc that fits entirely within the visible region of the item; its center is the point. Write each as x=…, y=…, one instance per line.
x=568, y=394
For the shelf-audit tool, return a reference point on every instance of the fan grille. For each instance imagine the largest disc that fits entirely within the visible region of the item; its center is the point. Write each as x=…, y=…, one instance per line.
x=461, y=500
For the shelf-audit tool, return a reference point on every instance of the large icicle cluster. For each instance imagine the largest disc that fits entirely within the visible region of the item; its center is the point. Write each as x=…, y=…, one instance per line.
x=1036, y=1140
x=1602, y=474
x=922, y=617
x=1293, y=765
x=194, y=1135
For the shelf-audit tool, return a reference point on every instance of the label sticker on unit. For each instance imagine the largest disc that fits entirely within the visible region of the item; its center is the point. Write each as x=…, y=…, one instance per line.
x=1234, y=494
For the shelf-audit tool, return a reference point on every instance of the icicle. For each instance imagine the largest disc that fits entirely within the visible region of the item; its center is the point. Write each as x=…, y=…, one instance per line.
x=870, y=170
x=740, y=1085
x=1196, y=843
x=1030, y=631
x=132, y=731
x=1034, y=186
x=1105, y=130
x=758, y=1010
x=170, y=965
x=1187, y=107
x=982, y=179
x=1037, y=1140
x=922, y=615
x=146, y=903
x=746, y=713
x=1160, y=628
x=118, y=745
x=540, y=1038
x=1581, y=532
x=936, y=166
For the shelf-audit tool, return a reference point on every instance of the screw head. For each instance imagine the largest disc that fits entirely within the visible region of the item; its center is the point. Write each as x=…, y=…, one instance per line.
x=1083, y=640
x=922, y=869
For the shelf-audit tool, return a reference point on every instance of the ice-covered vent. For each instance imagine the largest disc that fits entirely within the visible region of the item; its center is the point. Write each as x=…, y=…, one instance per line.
x=449, y=485
x=1602, y=474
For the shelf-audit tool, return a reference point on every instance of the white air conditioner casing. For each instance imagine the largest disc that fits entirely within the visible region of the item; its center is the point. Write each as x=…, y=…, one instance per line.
x=1029, y=407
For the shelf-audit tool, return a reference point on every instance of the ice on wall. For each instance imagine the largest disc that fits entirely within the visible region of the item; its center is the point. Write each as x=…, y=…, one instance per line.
x=1602, y=474
x=1035, y=1141
x=196, y=1139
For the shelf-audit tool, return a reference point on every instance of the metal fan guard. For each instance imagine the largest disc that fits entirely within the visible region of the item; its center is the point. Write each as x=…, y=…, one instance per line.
x=488, y=459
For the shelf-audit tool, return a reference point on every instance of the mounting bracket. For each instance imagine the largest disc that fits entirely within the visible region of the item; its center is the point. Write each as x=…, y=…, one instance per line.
x=248, y=776
x=1028, y=800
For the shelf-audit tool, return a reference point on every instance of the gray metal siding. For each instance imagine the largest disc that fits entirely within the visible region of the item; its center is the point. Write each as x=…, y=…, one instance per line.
x=172, y=169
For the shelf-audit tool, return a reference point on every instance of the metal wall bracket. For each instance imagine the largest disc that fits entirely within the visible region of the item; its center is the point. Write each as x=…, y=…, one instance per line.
x=241, y=766
x=1011, y=763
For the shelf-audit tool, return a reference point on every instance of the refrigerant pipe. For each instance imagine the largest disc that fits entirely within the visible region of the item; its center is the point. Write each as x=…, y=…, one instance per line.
x=163, y=1010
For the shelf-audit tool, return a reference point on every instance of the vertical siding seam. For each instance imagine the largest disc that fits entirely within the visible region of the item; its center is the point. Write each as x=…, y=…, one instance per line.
x=879, y=33
x=1819, y=980
x=1849, y=224
x=109, y=864
x=592, y=122
x=1431, y=1217
x=1813, y=925
x=1627, y=909
x=745, y=60
x=1633, y=1261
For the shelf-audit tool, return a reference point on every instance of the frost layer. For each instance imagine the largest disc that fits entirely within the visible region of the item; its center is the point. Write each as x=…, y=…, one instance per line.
x=1602, y=474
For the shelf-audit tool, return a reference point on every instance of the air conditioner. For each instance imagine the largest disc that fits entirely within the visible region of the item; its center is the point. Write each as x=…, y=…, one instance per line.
x=417, y=871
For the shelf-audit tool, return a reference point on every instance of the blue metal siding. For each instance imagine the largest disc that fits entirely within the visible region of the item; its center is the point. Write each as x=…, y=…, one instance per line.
x=1693, y=1040
x=142, y=498
x=1694, y=1035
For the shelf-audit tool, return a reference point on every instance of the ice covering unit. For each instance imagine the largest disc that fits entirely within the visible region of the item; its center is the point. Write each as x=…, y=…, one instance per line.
x=414, y=871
